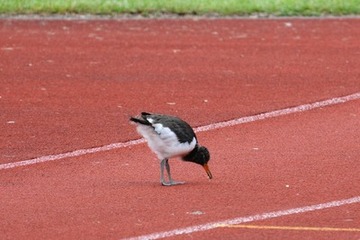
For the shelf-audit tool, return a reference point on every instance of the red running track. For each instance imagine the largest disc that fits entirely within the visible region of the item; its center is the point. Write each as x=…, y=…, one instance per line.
x=68, y=85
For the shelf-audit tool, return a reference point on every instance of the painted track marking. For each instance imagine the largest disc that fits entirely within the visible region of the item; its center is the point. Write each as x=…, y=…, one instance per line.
x=253, y=218
x=242, y=120
x=294, y=228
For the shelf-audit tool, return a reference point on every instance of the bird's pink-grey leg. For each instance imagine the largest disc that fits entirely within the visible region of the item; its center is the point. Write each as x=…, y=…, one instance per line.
x=165, y=164
x=162, y=166
x=172, y=182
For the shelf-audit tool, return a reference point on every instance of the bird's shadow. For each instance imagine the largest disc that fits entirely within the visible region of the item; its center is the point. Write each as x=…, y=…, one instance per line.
x=154, y=184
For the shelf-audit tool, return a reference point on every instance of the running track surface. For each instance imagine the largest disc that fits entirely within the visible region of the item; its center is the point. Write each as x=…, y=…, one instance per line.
x=70, y=85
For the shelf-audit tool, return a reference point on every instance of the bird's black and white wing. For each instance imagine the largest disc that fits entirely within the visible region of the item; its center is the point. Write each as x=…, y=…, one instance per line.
x=167, y=136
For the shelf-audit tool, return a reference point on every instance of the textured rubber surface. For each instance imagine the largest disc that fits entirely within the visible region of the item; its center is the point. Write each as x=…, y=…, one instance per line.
x=68, y=85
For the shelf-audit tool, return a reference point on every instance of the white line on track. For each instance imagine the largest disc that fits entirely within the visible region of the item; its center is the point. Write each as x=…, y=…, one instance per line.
x=247, y=219
x=276, y=113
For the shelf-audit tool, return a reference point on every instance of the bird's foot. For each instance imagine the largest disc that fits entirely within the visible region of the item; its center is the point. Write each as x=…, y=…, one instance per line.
x=171, y=183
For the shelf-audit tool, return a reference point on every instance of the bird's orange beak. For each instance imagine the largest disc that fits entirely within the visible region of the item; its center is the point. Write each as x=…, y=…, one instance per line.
x=206, y=167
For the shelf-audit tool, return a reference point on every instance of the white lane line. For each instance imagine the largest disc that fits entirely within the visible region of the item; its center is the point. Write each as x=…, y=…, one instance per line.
x=75, y=153
x=247, y=219
x=276, y=113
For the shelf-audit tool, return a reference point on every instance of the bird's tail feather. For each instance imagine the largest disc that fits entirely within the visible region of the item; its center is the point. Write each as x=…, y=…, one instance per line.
x=141, y=121
x=144, y=114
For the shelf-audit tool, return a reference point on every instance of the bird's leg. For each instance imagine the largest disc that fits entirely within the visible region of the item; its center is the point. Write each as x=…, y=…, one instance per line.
x=162, y=166
x=165, y=162
x=168, y=170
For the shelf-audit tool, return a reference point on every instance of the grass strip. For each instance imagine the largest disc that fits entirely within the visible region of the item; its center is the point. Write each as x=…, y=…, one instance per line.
x=183, y=7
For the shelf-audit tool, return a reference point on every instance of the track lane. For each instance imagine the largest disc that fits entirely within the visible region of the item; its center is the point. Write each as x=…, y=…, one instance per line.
x=67, y=85
x=79, y=81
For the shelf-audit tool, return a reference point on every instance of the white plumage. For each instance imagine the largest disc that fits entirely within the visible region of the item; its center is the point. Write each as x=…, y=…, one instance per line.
x=163, y=142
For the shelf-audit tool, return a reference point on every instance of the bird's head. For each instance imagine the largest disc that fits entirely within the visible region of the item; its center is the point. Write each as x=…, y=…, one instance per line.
x=201, y=156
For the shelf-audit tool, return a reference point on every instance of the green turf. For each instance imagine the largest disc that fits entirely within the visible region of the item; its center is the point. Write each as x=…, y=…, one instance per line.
x=198, y=7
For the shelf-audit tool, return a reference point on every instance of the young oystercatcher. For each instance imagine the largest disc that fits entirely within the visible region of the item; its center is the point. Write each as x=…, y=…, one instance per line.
x=169, y=136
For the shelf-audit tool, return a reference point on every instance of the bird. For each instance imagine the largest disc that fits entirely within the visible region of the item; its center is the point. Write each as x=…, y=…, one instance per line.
x=168, y=137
